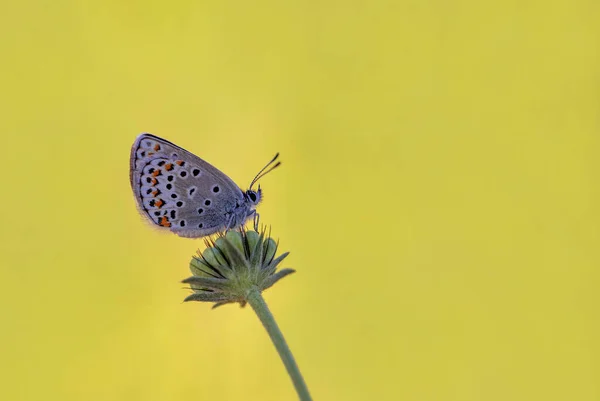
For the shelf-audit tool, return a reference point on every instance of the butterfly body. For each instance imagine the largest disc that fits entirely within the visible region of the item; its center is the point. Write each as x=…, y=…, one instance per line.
x=178, y=191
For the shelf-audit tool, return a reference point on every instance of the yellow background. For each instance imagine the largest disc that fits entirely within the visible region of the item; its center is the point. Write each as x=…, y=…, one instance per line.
x=439, y=195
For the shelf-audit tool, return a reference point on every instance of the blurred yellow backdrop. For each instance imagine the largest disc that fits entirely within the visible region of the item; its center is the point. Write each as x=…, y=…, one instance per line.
x=438, y=194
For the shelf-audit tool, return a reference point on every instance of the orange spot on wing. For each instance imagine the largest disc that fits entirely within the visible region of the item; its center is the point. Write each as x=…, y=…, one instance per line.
x=164, y=221
x=159, y=203
x=154, y=181
x=157, y=147
x=169, y=166
x=156, y=173
x=179, y=162
x=150, y=153
x=154, y=193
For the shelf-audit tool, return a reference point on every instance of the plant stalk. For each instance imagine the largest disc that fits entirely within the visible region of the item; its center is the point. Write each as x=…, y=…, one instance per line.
x=259, y=305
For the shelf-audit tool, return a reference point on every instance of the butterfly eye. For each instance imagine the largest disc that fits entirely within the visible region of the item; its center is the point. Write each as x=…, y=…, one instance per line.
x=252, y=196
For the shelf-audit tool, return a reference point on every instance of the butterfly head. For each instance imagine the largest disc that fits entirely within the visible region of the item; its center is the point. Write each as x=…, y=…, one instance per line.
x=254, y=197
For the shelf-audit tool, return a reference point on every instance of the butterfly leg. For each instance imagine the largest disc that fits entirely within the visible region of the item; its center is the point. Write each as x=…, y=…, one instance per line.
x=229, y=224
x=256, y=219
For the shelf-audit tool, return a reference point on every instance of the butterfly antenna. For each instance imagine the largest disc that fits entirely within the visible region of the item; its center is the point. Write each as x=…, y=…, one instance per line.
x=268, y=171
x=262, y=171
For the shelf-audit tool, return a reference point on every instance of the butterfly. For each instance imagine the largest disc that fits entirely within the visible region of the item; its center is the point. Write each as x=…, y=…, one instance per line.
x=178, y=191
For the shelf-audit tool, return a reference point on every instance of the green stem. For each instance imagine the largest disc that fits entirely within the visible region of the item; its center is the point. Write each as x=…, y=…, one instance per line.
x=266, y=317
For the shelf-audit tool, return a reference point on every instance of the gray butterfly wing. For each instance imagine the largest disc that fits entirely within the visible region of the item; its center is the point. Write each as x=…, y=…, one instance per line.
x=178, y=191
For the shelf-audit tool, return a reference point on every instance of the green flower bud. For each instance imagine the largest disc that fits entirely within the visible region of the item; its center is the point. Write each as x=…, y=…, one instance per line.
x=233, y=265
